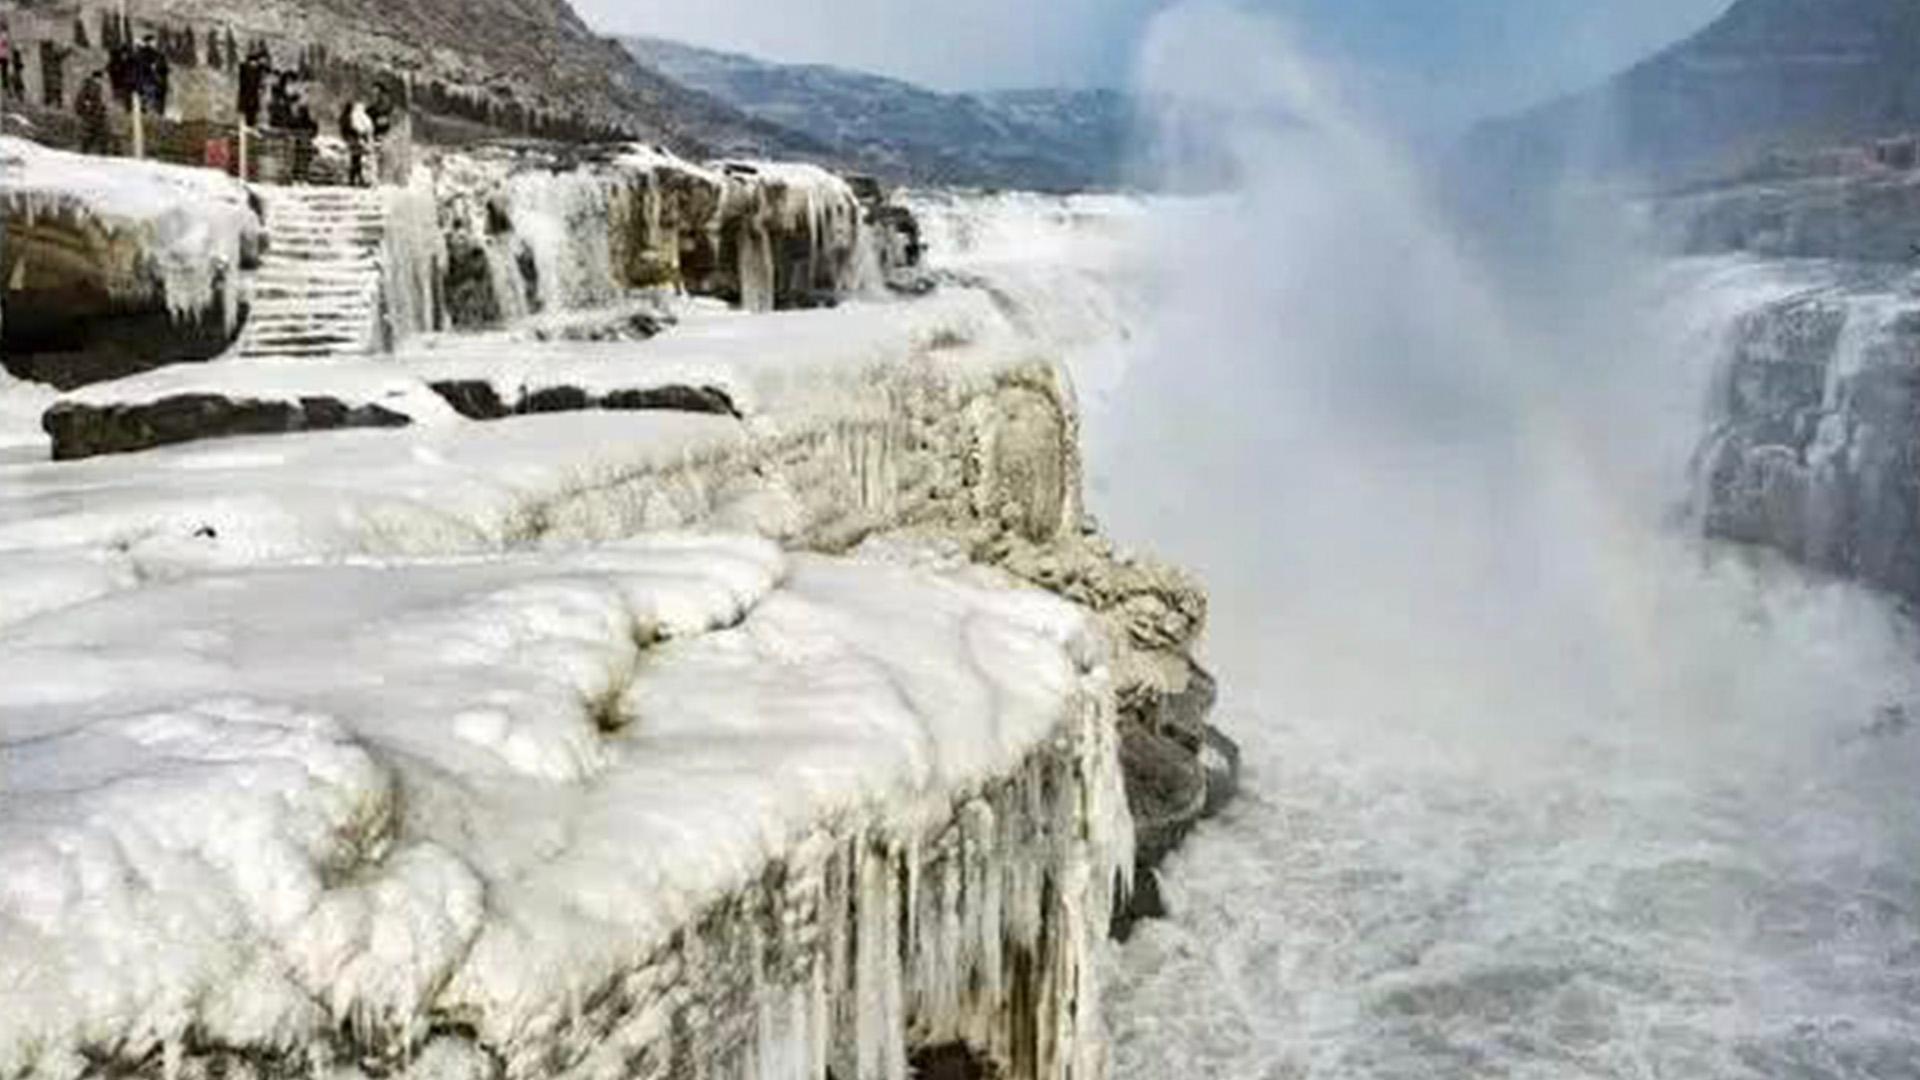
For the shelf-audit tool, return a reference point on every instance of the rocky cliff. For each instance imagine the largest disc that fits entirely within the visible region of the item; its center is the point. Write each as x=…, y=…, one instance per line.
x=1768, y=73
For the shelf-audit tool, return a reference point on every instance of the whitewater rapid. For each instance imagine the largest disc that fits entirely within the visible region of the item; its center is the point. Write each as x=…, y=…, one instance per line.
x=1539, y=783
x=1635, y=891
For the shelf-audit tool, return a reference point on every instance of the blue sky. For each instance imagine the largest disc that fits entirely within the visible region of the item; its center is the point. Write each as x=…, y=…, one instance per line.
x=1429, y=61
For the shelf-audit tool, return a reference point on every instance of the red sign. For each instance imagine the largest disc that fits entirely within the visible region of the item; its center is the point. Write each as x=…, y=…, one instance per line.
x=220, y=155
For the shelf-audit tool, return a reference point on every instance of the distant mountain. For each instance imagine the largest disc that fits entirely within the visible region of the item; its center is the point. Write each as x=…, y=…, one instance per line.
x=1769, y=74
x=1038, y=139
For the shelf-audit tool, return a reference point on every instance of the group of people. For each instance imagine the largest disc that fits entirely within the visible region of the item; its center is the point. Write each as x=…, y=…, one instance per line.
x=270, y=99
x=283, y=94
x=133, y=73
x=140, y=71
x=365, y=127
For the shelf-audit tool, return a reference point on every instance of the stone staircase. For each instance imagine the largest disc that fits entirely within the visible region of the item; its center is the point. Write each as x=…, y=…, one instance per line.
x=318, y=290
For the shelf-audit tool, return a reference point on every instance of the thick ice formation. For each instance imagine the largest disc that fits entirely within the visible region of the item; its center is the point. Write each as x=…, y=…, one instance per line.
x=555, y=807
x=537, y=810
x=530, y=234
x=176, y=228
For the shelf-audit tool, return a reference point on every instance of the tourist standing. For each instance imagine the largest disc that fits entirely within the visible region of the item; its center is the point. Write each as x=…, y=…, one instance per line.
x=91, y=105
x=53, y=74
x=152, y=75
x=253, y=80
x=356, y=127
x=122, y=73
x=280, y=107
x=305, y=130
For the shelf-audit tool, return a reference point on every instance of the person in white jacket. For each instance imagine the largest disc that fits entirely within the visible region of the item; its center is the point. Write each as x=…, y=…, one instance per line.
x=356, y=127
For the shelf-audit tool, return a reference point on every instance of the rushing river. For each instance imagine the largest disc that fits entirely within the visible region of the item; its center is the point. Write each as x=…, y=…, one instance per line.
x=1539, y=784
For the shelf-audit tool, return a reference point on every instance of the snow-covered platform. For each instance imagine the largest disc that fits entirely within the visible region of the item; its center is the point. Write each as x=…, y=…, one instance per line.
x=591, y=814
x=603, y=709
x=715, y=361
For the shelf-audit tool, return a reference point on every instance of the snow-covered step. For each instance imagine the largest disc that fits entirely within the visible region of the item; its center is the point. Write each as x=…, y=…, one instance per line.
x=317, y=292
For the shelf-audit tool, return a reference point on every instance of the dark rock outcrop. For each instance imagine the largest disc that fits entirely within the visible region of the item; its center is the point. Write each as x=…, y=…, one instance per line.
x=82, y=431
x=477, y=400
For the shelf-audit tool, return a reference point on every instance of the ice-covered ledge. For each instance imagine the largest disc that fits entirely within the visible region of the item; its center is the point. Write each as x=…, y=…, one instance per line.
x=674, y=803
x=114, y=268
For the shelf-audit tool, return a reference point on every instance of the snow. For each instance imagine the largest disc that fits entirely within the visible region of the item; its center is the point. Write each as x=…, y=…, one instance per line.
x=491, y=787
x=21, y=405
x=768, y=363
x=350, y=743
x=190, y=222
x=823, y=446
x=1073, y=271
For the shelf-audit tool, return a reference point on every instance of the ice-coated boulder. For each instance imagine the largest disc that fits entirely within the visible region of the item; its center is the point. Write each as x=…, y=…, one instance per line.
x=113, y=267
x=1816, y=447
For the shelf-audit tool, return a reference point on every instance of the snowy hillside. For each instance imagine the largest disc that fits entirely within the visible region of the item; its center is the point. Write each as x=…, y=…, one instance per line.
x=1039, y=140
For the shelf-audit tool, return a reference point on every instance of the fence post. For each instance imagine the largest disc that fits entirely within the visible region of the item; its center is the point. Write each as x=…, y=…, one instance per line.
x=139, y=129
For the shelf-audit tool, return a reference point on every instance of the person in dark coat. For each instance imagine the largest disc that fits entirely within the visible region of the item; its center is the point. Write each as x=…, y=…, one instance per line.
x=91, y=105
x=280, y=106
x=305, y=130
x=382, y=111
x=153, y=74
x=53, y=74
x=253, y=80
x=122, y=73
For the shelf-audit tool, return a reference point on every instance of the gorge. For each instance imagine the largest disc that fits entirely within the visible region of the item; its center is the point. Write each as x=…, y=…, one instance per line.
x=717, y=617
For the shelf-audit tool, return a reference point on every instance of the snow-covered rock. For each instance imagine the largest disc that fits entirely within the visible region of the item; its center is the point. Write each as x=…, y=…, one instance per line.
x=529, y=232
x=115, y=266
x=588, y=814
x=549, y=788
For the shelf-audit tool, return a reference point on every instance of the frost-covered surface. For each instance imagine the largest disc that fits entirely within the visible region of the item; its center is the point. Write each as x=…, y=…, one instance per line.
x=335, y=810
x=861, y=419
x=650, y=808
x=186, y=226
x=784, y=363
x=1072, y=269
x=786, y=205
x=21, y=405
x=531, y=234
